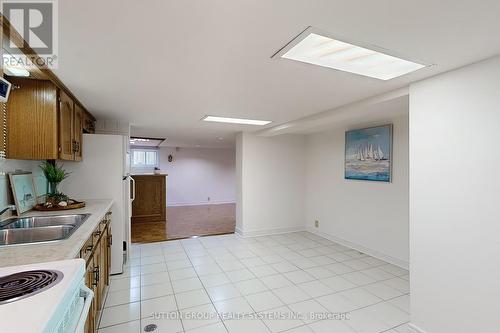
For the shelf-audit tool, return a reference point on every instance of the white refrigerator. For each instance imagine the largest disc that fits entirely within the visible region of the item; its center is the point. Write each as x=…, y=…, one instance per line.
x=104, y=174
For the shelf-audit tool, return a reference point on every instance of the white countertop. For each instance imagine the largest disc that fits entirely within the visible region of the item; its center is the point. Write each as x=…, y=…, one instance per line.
x=23, y=254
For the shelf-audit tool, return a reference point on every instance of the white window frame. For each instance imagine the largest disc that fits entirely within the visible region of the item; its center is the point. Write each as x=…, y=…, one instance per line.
x=144, y=166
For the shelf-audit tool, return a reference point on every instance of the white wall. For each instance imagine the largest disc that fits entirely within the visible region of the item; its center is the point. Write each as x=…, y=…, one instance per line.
x=195, y=174
x=271, y=191
x=369, y=216
x=454, y=200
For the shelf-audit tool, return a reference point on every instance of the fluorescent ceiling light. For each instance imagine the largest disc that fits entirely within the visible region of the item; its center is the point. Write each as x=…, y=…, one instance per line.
x=146, y=142
x=16, y=71
x=236, y=120
x=316, y=48
x=13, y=66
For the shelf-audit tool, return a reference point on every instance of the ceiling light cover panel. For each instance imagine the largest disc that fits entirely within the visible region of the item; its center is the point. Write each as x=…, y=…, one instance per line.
x=324, y=51
x=241, y=121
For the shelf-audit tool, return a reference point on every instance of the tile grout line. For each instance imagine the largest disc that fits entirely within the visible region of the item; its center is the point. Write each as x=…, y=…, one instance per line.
x=175, y=298
x=204, y=288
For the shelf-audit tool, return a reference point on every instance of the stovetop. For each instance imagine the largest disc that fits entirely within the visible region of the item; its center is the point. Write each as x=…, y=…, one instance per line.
x=15, y=287
x=37, y=296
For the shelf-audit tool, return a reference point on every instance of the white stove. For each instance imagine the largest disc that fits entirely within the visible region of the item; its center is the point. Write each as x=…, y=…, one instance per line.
x=48, y=297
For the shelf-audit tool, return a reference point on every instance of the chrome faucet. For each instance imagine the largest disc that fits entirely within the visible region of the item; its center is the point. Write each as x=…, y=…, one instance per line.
x=10, y=207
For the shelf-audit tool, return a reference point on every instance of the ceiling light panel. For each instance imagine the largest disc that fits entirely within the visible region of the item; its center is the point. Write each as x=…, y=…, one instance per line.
x=318, y=49
x=13, y=66
x=236, y=120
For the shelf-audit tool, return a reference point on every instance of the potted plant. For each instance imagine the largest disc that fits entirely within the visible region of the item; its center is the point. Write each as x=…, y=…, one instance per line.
x=55, y=174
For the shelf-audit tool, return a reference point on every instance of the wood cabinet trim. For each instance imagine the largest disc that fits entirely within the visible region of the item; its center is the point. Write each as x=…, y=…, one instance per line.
x=78, y=119
x=66, y=111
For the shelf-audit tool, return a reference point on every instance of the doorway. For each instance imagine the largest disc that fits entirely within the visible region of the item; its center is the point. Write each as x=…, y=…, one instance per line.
x=192, y=192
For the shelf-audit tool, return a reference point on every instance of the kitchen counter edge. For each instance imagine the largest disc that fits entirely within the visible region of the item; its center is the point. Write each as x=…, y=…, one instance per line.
x=14, y=255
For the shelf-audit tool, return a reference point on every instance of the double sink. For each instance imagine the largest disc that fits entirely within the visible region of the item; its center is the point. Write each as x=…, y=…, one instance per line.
x=35, y=229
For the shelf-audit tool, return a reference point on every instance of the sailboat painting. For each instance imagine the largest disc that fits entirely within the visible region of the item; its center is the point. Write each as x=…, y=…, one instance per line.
x=368, y=154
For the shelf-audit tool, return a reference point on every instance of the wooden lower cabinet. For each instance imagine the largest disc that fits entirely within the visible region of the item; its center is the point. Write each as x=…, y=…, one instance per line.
x=89, y=278
x=102, y=270
x=109, y=242
x=97, y=254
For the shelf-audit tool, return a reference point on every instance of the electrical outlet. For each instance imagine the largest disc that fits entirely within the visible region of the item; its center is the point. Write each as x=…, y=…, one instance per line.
x=316, y=223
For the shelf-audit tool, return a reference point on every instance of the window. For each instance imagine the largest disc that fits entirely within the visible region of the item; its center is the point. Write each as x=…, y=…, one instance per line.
x=144, y=158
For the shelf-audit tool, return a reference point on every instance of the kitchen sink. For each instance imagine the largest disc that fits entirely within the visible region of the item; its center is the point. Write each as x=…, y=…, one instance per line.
x=34, y=229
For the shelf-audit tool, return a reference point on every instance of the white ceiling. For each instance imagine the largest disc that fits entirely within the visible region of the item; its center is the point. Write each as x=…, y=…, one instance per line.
x=368, y=112
x=162, y=65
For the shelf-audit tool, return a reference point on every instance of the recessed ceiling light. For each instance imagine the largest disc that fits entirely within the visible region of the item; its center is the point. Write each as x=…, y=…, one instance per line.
x=317, y=48
x=236, y=120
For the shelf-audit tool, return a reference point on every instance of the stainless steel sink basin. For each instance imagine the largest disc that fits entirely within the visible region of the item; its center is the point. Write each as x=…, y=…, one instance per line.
x=34, y=229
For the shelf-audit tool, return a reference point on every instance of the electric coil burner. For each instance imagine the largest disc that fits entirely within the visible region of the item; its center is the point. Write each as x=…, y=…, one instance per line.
x=17, y=286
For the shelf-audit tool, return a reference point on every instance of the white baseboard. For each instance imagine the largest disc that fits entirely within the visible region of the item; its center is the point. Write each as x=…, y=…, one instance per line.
x=371, y=252
x=361, y=248
x=177, y=204
x=415, y=328
x=266, y=232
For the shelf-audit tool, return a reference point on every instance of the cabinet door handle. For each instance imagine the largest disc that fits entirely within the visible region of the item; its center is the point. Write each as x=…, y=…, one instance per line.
x=97, y=233
x=133, y=189
x=89, y=248
x=110, y=240
x=96, y=276
x=75, y=146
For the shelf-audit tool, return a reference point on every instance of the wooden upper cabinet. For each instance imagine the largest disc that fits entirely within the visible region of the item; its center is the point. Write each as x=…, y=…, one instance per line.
x=66, y=131
x=32, y=120
x=88, y=123
x=78, y=132
x=44, y=122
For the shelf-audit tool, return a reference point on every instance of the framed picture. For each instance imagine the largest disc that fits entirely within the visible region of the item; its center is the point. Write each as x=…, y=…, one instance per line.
x=23, y=190
x=368, y=154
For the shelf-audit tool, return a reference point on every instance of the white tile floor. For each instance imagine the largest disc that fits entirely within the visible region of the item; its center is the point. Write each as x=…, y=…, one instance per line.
x=274, y=283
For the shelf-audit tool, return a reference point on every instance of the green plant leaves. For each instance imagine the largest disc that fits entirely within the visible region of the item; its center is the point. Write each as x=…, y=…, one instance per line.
x=53, y=172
